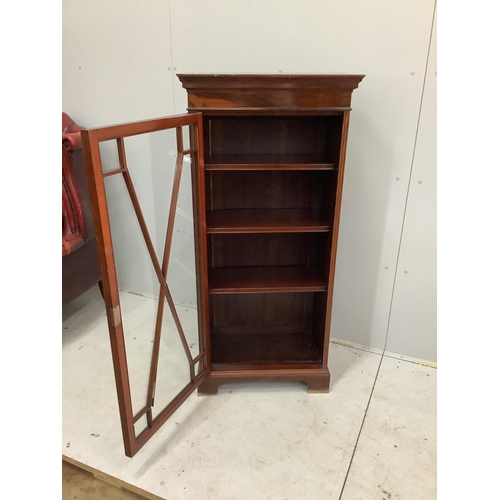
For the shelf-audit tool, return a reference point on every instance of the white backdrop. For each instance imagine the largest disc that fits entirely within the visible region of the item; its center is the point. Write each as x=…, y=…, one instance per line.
x=119, y=63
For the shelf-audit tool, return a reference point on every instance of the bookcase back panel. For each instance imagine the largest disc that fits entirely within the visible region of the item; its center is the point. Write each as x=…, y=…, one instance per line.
x=268, y=189
x=260, y=250
x=273, y=135
x=261, y=312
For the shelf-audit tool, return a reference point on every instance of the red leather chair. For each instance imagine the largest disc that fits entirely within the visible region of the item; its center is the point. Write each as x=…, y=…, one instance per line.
x=80, y=262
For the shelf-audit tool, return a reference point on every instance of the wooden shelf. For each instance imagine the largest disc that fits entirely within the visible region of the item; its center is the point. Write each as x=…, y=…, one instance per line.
x=246, y=350
x=267, y=221
x=266, y=279
x=267, y=162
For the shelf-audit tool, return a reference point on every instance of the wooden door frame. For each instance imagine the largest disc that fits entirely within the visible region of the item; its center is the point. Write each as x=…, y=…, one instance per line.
x=91, y=139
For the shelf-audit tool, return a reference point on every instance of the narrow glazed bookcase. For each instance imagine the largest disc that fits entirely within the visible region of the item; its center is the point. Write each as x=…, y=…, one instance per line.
x=274, y=152
x=267, y=157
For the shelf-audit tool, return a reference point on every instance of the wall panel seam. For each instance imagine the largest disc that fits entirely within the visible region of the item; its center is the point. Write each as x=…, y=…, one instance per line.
x=172, y=72
x=409, y=178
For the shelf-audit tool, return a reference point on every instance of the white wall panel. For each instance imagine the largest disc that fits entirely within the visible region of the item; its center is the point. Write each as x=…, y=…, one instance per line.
x=116, y=55
x=119, y=60
x=413, y=319
x=117, y=68
x=386, y=40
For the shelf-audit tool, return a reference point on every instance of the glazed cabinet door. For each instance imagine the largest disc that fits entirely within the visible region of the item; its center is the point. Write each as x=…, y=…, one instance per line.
x=146, y=182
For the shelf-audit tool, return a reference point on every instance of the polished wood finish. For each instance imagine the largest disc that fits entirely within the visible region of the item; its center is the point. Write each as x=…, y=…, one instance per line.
x=91, y=140
x=253, y=91
x=268, y=250
x=270, y=111
x=300, y=138
x=259, y=349
x=284, y=220
x=317, y=379
x=270, y=189
x=244, y=313
x=268, y=155
x=267, y=162
x=266, y=279
x=274, y=162
x=265, y=330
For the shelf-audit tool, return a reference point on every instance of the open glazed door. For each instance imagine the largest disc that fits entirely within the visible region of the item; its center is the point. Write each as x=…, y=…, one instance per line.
x=149, y=210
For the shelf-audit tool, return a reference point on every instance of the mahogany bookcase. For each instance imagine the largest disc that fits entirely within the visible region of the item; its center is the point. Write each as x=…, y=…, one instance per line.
x=268, y=155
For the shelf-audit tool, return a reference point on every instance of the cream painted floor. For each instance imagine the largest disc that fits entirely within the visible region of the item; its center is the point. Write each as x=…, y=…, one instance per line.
x=372, y=437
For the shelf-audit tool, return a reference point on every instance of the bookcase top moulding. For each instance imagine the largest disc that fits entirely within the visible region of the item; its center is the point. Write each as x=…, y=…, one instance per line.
x=269, y=90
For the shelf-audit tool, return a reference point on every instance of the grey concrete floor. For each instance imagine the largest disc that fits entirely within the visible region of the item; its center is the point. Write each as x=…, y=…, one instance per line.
x=373, y=436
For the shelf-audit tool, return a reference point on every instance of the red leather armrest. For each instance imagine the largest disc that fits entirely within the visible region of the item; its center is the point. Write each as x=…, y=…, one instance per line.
x=73, y=180
x=70, y=243
x=71, y=132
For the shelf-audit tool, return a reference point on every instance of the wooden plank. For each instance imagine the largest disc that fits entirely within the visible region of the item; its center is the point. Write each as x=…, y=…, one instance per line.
x=266, y=279
x=266, y=221
x=268, y=162
x=317, y=379
x=269, y=166
x=269, y=111
x=140, y=127
x=109, y=285
x=114, y=481
x=335, y=236
x=317, y=82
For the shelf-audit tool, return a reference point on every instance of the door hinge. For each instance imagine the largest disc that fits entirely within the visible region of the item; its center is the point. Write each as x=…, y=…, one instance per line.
x=116, y=316
x=153, y=394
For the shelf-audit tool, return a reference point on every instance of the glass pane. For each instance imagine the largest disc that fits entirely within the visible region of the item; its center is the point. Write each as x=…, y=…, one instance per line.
x=181, y=281
x=135, y=276
x=140, y=425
